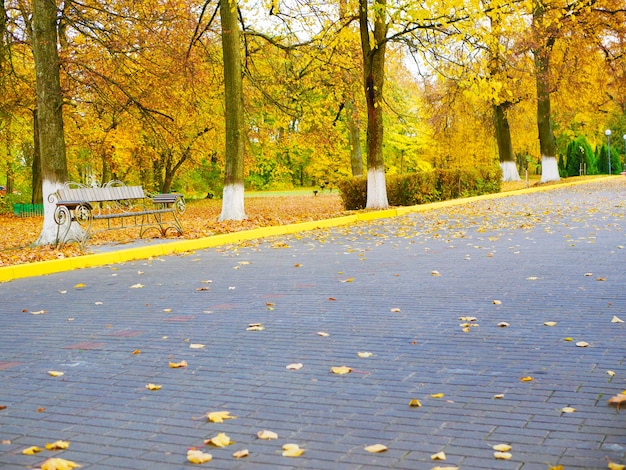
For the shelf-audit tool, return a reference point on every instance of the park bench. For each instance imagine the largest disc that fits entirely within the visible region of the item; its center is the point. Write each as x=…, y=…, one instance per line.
x=116, y=206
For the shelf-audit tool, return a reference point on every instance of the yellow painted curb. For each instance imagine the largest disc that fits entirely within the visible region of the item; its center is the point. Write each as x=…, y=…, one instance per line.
x=42, y=268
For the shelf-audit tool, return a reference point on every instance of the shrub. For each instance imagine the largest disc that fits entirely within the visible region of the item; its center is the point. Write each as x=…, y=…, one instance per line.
x=423, y=187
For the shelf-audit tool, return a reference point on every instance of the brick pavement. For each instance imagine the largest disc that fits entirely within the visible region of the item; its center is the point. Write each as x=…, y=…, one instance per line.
x=372, y=287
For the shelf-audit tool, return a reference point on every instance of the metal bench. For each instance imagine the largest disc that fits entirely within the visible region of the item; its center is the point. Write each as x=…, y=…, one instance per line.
x=119, y=206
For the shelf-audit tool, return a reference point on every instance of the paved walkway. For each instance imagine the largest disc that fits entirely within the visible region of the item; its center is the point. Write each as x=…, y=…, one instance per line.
x=396, y=288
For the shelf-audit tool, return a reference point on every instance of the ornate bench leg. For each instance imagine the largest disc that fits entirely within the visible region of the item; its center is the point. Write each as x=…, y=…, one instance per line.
x=63, y=218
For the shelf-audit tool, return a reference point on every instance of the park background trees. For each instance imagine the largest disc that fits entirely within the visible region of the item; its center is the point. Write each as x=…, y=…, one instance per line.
x=144, y=96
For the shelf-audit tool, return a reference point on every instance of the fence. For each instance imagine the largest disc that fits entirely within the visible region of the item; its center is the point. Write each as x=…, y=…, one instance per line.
x=27, y=210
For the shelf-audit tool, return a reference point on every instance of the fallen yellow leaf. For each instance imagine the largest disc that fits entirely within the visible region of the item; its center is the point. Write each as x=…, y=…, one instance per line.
x=611, y=373
x=292, y=450
x=502, y=447
x=376, y=448
x=438, y=456
x=197, y=456
x=615, y=466
x=618, y=399
x=153, y=387
x=568, y=409
x=58, y=445
x=502, y=455
x=32, y=450
x=435, y=273
x=265, y=434
x=80, y=285
x=415, y=403
x=341, y=370
x=550, y=323
x=178, y=365
x=136, y=351
x=240, y=454
x=395, y=310
x=437, y=395
x=58, y=464
x=219, y=416
x=221, y=440
x=526, y=379
x=498, y=396
x=558, y=467
x=350, y=279
x=55, y=373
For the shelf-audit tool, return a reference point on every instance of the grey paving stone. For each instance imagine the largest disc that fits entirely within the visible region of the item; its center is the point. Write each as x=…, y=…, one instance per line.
x=529, y=251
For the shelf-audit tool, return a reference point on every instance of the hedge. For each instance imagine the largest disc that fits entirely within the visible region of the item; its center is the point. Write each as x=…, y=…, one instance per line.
x=423, y=187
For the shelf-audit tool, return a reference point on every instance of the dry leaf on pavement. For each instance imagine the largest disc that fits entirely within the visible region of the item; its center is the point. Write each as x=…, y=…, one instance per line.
x=219, y=416
x=58, y=445
x=292, y=450
x=178, y=365
x=376, y=448
x=438, y=456
x=240, y=454
x=32, y=450
x=197, y=456
x=221, y=440
x=59, y=464
x=265, y=434
x=341, y=370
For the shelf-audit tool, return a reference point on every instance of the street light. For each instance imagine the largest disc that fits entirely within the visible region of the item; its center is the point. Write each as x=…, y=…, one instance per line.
x=608, y=137
x=624, y=166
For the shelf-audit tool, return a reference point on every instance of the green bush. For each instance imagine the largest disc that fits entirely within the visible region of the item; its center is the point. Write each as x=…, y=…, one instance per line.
x=353, y=192
x=424, y=187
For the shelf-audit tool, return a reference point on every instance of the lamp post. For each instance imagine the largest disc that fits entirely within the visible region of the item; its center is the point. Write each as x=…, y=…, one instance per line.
x=608, y=138
x=624, y=166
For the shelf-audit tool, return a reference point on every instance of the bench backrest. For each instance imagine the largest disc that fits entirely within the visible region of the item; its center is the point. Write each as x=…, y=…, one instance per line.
x=110, y=193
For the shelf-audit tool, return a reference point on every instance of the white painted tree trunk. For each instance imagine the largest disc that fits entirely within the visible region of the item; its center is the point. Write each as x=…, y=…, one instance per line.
x=50, y=229
x=549, y=169
x=376, y=189
x=509, y=171
x=232, y=203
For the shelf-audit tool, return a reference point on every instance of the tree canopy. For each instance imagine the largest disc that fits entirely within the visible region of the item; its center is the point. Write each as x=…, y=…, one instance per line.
x=143, y=87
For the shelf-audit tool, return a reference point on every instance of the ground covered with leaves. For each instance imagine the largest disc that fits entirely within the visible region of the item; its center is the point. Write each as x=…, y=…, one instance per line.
x=199, y=220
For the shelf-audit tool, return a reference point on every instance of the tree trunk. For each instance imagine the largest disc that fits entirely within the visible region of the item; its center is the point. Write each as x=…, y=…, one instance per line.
x=505, y=146
x=37, y=195
x=50, y=111
x=547, y=142
x=373, y=79
x=232, y=200
x=354, y=139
